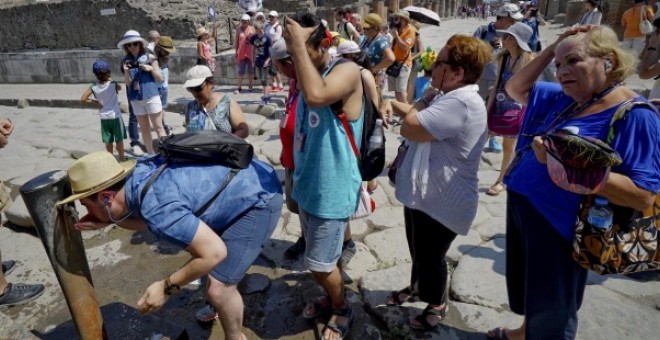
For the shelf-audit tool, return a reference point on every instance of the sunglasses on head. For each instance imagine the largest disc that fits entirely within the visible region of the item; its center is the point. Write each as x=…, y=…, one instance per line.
x=196, y=88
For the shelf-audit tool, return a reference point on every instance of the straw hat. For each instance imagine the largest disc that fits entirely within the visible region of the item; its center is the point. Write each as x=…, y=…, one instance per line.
x=95, y=172
x=372, y=20
x=166, y=43
x=201, y=31
x=129, y=37
x=402, y=13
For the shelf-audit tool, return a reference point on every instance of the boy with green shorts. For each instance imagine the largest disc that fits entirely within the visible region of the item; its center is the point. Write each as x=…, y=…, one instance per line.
x=105, y=91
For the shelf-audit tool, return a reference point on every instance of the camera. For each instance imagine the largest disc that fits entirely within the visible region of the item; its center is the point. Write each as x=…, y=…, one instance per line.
x=132, y=64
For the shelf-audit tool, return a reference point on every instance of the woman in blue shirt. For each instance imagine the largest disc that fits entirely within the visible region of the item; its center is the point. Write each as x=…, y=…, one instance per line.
x=543, y=281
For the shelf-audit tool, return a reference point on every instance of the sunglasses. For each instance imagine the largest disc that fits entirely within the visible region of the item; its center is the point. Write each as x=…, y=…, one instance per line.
x=133, y=44
x=196, y=89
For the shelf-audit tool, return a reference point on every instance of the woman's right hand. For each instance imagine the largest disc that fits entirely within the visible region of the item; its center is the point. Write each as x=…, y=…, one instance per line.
x=125, y=67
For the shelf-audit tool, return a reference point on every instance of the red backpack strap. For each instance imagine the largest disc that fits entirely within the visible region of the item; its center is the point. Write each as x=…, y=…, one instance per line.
x=349, y=132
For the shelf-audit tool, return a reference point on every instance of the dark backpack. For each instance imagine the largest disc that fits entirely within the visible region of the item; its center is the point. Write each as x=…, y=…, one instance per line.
x=371, y=161
x=208, y=146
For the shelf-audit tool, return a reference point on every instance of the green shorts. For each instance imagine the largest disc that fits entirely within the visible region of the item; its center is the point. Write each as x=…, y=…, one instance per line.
x=113, y=130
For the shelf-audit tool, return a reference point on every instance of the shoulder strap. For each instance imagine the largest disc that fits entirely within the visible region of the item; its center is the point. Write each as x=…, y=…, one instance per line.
x=199, y=211
x=621, y=113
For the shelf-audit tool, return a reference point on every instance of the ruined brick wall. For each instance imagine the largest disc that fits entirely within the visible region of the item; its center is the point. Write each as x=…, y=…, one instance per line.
x=79, y=23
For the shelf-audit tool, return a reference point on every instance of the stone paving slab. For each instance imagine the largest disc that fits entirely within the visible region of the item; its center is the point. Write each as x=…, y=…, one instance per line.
x=51, y=137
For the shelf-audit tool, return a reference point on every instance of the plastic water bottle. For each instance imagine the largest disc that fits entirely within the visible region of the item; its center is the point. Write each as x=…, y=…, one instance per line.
x=376, y=139
x=600, y=215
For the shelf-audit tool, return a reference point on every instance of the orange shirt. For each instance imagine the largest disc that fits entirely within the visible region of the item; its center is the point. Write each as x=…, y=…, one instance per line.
x=408, y=35
x=631, y=19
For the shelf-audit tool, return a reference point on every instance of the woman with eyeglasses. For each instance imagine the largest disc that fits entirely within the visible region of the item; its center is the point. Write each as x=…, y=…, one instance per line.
x=505, y=114
x=437, y=180
x=142, y=76
x=377, y=47
x=544, y=283
x=211, y=110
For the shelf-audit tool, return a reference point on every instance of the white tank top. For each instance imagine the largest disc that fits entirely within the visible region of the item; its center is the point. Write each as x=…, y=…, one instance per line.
x=106, y=94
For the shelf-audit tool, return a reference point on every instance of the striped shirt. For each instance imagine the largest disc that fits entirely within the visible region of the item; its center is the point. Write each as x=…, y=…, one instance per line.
x=457, y=121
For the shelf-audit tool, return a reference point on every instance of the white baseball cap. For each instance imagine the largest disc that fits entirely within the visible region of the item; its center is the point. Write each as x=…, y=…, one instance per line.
x=510, y=10
x=245, y=17
x=273, y=14
x=196, y=76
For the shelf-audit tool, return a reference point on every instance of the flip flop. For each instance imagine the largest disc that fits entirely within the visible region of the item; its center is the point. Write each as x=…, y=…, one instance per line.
x=498, y=333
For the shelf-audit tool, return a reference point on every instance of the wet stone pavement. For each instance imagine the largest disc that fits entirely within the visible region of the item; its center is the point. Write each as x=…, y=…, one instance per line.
x=124, y=263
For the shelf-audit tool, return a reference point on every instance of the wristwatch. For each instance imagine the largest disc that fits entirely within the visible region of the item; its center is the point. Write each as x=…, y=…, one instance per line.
x=171, y=289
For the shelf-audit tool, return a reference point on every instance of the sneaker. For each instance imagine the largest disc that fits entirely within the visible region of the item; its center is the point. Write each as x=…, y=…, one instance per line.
x=136, y=150
x=19, y=294
x=494, y=145
x=207, y=314
x=8, y=266
x=238, y=90
x=348, y=250
x=264, y=100
x=296, y=249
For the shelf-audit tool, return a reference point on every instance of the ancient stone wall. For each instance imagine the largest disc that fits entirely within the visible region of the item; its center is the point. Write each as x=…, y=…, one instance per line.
x=80, y=23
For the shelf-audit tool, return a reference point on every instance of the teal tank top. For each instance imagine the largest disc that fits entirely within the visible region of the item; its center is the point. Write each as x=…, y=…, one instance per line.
x=326, y=177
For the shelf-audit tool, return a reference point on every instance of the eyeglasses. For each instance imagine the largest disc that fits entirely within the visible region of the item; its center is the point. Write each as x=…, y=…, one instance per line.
x=196, y=89
x=133, y=44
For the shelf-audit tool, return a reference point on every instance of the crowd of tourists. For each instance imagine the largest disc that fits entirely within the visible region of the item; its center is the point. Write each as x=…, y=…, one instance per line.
x=450, y=103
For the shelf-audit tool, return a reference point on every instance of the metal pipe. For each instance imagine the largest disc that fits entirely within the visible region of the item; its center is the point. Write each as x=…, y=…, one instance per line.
x=65, y=249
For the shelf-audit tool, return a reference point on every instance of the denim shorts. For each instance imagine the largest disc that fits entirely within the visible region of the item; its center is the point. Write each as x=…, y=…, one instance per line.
x=324, y=239
x=245, y=239
x=245, y=67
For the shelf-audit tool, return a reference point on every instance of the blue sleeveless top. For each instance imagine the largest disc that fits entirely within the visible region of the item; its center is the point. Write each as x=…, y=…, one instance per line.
x=146, y=86
x=326, y=178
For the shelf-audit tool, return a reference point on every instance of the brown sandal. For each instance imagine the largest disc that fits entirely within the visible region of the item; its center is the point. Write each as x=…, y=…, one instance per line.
x=394, y=298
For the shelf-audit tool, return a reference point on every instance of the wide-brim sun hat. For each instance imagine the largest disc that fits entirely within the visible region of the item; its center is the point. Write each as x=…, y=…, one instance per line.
x=348, y=47
x=260, y=14
x=129, y=37
x=95, y=172
x=197, y=75
x=402, y=13
x=201, y=31
x=165, y=42
x=521, y=32
x=372, y=20
x=579, y=164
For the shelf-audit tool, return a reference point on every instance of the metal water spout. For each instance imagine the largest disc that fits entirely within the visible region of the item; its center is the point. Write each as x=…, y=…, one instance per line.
x=65, y=249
